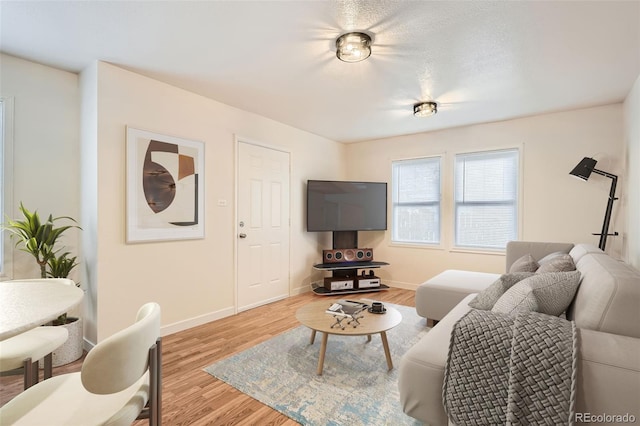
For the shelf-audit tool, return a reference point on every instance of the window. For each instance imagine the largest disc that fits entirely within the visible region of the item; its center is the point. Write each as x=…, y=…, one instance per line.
x=486, y=199
x=416, y=201
x=6, y=158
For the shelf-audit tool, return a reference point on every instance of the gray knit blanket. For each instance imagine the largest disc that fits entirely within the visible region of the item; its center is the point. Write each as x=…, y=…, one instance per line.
x=506, y=370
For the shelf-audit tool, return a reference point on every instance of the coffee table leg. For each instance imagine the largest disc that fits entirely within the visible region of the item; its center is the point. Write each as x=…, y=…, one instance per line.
x=385, y=345
x=323, y=349
x=313, y=337
x=368, y=338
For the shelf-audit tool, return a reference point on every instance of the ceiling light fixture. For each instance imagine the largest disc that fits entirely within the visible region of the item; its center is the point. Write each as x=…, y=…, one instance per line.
x=353, y=47
x=425, y=109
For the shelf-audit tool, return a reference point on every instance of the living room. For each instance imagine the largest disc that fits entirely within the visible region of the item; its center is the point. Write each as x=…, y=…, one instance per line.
x=70, y=128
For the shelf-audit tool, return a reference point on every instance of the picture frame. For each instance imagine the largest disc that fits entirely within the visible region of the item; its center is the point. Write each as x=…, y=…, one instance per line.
x=164, y=187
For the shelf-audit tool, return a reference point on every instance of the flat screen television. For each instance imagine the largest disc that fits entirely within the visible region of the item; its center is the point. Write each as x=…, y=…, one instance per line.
x=346, y=206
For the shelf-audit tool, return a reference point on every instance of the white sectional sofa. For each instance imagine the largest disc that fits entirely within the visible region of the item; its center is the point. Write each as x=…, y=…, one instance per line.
x=605, y=308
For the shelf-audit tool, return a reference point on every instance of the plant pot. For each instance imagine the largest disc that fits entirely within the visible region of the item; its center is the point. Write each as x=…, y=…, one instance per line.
x=70, y=350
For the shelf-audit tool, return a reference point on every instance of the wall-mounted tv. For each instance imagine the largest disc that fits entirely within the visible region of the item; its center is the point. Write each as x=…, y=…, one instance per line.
x=346, y=206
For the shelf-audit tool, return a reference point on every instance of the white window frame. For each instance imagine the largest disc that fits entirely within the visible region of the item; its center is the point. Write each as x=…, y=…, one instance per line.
x=517, y=203
x=6, y=184
x=394, y=203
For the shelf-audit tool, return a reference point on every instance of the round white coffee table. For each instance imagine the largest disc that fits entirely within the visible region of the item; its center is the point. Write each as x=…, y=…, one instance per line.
x=313, y=315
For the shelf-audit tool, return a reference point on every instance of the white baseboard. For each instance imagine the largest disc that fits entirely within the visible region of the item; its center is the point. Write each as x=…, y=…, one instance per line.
x=403, y=285
x=196, y=321
x=87, y=345
x=300, y=290
x=180, y=325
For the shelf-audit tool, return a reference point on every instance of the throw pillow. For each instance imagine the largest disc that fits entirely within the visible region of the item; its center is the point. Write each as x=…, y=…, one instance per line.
x=551, y=256
x=549, y=293
x=490, y=295
x=525, y=264
x=562, y=263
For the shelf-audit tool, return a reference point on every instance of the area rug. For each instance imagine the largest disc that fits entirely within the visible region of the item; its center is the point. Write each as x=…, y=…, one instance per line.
x=355, y=388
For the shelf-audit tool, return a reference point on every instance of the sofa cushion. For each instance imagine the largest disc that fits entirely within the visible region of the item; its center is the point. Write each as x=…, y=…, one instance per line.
x=489, y=296
x=560, y=263
x=609, y=296
x=438, y=295
x=517, y=249
x=524, y=264
x=581, y=250
x=549, y=293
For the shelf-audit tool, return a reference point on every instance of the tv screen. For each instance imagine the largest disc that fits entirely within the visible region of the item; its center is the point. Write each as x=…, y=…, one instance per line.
x=346, y=206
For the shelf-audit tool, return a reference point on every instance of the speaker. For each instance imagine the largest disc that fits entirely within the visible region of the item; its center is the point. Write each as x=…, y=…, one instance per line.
x=347, y=255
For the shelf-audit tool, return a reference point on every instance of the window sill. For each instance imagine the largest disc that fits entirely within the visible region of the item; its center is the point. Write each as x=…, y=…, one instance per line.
x=497, y=252
x=416, y=245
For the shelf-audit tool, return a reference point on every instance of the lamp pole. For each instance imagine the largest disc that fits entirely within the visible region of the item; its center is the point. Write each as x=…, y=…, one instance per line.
x=607, y=214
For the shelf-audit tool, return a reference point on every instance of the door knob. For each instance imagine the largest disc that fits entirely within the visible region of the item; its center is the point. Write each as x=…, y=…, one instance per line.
x=243, y=235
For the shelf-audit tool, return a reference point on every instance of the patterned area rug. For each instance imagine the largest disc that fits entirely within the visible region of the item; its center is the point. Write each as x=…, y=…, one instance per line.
x=355, y=388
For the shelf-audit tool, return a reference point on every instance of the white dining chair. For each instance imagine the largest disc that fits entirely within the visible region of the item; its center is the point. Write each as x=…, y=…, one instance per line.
x=26, y=349
x=120, y=380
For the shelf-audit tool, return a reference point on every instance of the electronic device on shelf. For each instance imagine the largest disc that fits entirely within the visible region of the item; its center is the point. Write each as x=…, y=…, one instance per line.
x=368, y=282
x=338, y=283
x=347, y=255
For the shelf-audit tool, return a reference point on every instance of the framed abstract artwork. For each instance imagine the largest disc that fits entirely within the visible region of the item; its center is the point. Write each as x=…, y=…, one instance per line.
x=165, y=187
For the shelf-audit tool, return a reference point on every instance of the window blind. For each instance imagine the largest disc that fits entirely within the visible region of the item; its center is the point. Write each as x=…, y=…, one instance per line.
x=416, y=201
x=486, y=199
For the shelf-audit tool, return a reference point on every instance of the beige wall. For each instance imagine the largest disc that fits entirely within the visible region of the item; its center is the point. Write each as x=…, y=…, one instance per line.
x=631, y=199
x=46, y=146
x=192, y=280
x=554, y=206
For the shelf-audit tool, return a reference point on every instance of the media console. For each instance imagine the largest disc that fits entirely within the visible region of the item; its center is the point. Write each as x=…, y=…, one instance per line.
x=344, y=275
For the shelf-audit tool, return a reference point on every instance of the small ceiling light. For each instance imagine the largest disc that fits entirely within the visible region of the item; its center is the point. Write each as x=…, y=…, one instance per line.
x=425, y=109
x=353, y=47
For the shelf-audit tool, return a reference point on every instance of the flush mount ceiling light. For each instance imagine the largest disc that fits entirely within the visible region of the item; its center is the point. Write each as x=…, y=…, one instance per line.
x=353, y=47
x=425, y=109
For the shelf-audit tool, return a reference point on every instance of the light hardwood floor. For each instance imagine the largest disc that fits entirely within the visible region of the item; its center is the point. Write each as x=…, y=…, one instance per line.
x=193, y=397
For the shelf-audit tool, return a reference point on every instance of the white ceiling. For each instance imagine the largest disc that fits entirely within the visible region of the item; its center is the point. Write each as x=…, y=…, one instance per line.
x=480, y=61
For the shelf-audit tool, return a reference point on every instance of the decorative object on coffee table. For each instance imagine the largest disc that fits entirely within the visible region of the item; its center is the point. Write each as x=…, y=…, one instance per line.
x=348, y=310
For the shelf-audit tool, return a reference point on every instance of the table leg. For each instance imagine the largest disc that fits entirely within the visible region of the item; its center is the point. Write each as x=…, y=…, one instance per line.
x=385, y=345
x=313, y=337
x=323, y=349
x=368, y=338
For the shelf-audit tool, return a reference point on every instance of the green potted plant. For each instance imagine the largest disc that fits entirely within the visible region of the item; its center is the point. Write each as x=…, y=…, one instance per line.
x=39, y=238
x=36, y=237
x=60, y=267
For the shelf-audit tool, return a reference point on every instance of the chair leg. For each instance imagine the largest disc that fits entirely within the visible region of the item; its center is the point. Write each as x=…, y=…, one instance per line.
x=27, y=368
x=48, y=366
x=155, y=397
x=36, y=372
x=153, y=409
x=159, y=382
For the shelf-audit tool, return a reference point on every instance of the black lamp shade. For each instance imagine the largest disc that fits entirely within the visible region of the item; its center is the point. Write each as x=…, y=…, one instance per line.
x=584, y=168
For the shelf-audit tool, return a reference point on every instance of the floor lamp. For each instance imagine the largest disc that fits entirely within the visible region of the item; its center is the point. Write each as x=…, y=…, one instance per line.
x=583, y=170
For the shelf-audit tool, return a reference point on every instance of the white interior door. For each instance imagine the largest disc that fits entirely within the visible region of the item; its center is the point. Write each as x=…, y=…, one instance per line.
x=263, y=226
